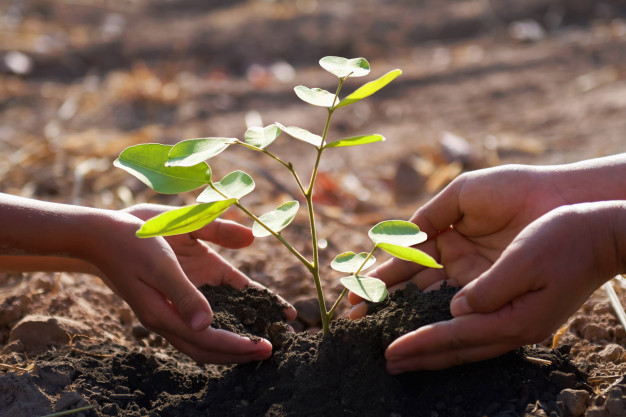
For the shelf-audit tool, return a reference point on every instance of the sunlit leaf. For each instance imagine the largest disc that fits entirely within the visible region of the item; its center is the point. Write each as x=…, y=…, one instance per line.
x=193, y=151
x=354, y=141
x=369, y=88
x=184, y=220
x=234, y=185
x=276, y=219
x=410, y=254
x=147, y=163
x=315, y=96
x=301, y=134
x=343, y=67
x=261, y=137
x=397, y=232
x=350, y=262
x=369, y=288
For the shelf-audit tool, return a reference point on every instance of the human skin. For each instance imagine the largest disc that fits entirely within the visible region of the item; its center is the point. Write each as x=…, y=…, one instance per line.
x=158, y=277
x=517, y=238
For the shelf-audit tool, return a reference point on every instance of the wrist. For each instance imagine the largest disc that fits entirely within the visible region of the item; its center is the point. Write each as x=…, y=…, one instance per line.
x=599, y=179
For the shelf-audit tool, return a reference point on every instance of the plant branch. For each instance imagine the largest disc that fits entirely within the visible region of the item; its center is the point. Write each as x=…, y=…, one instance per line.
x=287, y=165
x=278, y=236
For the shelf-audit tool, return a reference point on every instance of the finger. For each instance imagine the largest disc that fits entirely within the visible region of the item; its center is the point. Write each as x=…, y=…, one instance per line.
x=505, y=281
x=442, y=211
x=443, y=360
x=225, y=233
x=358, y=311
x=170, y=325
x=247, y=350
x=169, y=279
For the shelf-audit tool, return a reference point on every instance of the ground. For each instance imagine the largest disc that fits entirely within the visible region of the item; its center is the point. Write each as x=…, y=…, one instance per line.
x=484, y=83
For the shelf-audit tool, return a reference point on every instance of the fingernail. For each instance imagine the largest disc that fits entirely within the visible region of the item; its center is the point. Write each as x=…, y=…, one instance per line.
x=200, y=320
x=393, y=368
x=460, y=307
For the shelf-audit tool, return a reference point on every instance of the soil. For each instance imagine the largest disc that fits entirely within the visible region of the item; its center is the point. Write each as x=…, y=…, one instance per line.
x=484, y=83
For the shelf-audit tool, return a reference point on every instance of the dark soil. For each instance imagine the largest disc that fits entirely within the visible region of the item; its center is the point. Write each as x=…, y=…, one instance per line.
x=341, y=373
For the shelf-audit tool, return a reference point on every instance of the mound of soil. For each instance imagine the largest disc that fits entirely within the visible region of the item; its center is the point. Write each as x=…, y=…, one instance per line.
x=341, y=373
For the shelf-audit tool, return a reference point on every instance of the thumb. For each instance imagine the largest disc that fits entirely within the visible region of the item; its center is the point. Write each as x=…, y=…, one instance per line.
x=225, y=233
x=192, y=306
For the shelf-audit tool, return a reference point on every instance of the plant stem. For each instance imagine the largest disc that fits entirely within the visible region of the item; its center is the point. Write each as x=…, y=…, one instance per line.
x=308, y=194
x=293, y=250
x=278, y=236
x=287, y=165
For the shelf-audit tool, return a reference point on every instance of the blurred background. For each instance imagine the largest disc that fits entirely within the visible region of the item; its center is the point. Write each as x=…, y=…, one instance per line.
x=485, y=82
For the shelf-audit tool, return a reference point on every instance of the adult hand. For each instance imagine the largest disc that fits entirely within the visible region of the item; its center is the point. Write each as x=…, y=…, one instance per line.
x=158, y=278
x=542, y=277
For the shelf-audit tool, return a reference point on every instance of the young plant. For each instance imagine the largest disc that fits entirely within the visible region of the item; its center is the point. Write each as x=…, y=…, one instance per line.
x=182, y=167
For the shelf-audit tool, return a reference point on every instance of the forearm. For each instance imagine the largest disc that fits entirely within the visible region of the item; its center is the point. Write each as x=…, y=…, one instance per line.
x=22, y=263
x=45, y=235
x=592, y=180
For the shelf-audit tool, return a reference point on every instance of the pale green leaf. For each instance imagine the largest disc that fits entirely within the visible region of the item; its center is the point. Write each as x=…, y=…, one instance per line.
x=355, y=140
x=193, y=151
x=301, y=134
x=343, y=67
x=397, y=232
x=369, y=88
x=234, y=185
x=261, y=137
x=369, y=288
x=410, y=254
x=350, y=262
x=184, y=220
x=315, y=96
x=147, y=163
x=276, y=219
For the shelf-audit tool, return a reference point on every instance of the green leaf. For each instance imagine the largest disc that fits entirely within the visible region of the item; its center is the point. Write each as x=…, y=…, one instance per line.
x=193, y=151
x=261, y=137
x=350, y=262
x=410, y=254
x=369, y=88
x=147, y=163
x=355, y=140
x=369, y=288
x=277, y=219
x=315, y=96
x=184, y=220
x=396, y=232
x=234, y=185
x=343, y=67
x=301, y=134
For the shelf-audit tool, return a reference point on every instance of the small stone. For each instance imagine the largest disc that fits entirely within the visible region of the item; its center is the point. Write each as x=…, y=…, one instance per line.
x=563, y=379
x=611, y=353
x=574, y=401
x=595, y=333
x=614, y=404
x=596, y=412
x=68, y=400
x=140, y=332
x=37, y=332
x=308, y=311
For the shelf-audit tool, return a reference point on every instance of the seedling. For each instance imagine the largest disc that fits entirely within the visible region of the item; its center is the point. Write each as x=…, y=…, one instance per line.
x=182, y=167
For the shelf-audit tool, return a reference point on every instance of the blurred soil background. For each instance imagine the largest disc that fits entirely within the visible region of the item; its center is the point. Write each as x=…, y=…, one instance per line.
x=485, y=82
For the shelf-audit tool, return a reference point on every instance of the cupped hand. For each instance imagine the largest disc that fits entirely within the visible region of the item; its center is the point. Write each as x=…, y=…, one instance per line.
x=158, y=278
x=542, y=277
x=469, y=224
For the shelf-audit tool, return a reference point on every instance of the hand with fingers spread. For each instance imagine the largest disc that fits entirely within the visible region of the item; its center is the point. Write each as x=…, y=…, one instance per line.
x=505, y=231
x=156, y=276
